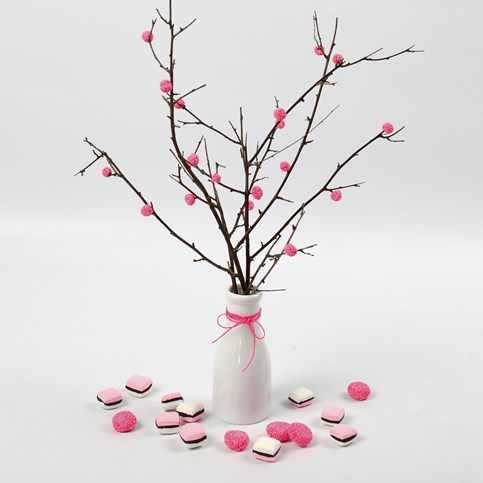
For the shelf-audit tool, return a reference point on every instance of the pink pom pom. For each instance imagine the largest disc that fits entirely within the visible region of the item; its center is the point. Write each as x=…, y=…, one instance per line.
x=300, y=433
x=388, y=128
x=216, y=178
x=165, y=86
x=251, y=205
x=359, y=390
x=106, y=172
x=336, y=195
x=148, y=36
x=124, y=421
x=179, y=104
x=338, y=59
x=236, y=440
x=193, y=159
x=279, y=430
x=190, y=199
x=280, y=114
x=290, y=250
x=147, y=210
x=281, y=125
x=284, y=166
x=319, y=50
x=257, y=192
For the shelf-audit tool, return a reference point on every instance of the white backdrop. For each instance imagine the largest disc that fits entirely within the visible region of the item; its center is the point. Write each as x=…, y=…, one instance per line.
x=91, y=292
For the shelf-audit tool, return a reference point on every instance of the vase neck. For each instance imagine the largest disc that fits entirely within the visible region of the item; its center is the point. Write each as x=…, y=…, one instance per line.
x=243, y=304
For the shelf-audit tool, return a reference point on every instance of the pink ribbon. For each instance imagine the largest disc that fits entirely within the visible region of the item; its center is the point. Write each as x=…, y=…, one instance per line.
x=250, y=321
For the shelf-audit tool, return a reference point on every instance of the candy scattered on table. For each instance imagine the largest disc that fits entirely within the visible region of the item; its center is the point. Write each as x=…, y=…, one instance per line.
x=300, y=433
x=124, y=421
x=236, y=440
x=171, y=401
x=193, y=435
x=342, y=434
x=109, y=398
x=301, y=397
x=190, y=411
x=138, y=386
x=266, y=449
x=167, y=423
x=278, y=430
x=332, y=415
x=359, y=390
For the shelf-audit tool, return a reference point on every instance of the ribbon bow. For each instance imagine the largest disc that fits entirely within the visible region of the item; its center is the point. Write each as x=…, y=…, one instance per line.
x=250, y=321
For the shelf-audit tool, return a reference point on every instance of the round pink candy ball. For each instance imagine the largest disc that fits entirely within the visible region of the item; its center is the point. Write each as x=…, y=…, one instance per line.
x=193, y=159
x=190, y=199
x=290, y=250
x=236, y=440
x=338, y=59
x=284, y=166
x=147, y=36
x=251, y=205
x=147, y=210
x=300, y=433
x=358, y=390
x=165, y=86
x=278, y=430
x=257, y=192
x=106, y=172
x=336, y=195
x=179, y=104
x=280, y=114
x=124, y=421
x=281, y=125
x=388, y=128
x=319, y=50
x=216, y=178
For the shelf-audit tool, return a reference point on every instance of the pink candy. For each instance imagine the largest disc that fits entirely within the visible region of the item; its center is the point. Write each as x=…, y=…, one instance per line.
x=290, y=250
x=257, y=192
x=281, y=125
x=280, y=114
x=284, y=166
x=338, y=59
x=319, y=50
x=193, y=159
x=300, y=433
x=106, y=172
x=216, y=178
x=147, y=36
x=359, y=390
x=147, y=210
x=190, y=199
x=124, y=421
x=236, y=440
x=165, y=86
x=336, y=195
x=179, y=104
x=388, y=128
x=251, y=205
x=278, y=430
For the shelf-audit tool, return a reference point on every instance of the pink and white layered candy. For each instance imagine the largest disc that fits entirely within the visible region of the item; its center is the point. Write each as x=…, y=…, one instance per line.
x=167, y=423
x=266, y=449
x=332, y=415
x=169, y=402
x=190, y=411
x=109, y=398
x=193, y=435
x=138, y=386
x=301, y=397
x=342, y=434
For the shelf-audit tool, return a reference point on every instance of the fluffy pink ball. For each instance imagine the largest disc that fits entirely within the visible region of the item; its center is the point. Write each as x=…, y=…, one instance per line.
x=165, y=86
x=257, y=192
x=359, y=391
x=106, y=172
x=281, y=125
x=124, y=421
x=300, y=433
x=190, y=199
x=388, y=128
x=278, y=430
x=319, y=50
x=179, y=104
x=336, y=195
x=290, y=250
x=147, y=210
x=338, y=59
x=194, y=159
x=147, y=36
x=280, y=114
x=236, y=440
x=284, y=166
x=216, y=178
x=251, y=205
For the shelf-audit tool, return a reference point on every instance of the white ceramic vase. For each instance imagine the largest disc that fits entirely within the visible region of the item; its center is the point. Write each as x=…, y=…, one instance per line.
x=241, y=396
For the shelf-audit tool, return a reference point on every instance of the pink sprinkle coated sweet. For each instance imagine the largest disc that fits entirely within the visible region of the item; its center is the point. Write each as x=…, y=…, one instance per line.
x=290, y=250
x=281, y=125
x=278, y=430
x=251, y=205
x=124, y=421
x=193, y=159
x=236, y=440
x=179, y=104
x=106, y=172
x=165, y=86
x=336, y=195
x=358, y=390
x=300, y=433
x=190, y=199
x=319, y=50
x=284, y=166
x=216, y=178
x=147, y=36
x=147, y=210
x=337, y=59
x=280, y=114
x=388, y=128
x=257, y=192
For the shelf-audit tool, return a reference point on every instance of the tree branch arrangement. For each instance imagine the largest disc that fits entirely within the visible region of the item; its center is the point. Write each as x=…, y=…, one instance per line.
x=248, y=266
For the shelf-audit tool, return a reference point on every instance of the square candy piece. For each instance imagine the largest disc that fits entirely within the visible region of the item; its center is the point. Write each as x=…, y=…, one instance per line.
x=109, y=398
x=342, y=434
x=193, y=435
x=190, y=411
x=266, y=449
x=167, y=423
x=171, y=401
x=138, y=386
x=332, y=415
x=301, y=397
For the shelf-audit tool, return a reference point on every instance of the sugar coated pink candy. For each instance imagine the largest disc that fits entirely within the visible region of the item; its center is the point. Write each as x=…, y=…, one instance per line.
x=216, y=178
x=165, y=86
x=278, y=430
x=281, y=125
x=193, y=159
x=284, y=166
x=359, y=390
x=257, y=192
x=106, y=172
x=179, y=104
x=319, y=50
x=190, y=199
x=300, y=433
x=336, y=195
x=147, y=36
x=280, y=114
x=236, y=440
x=124, y=421
x=290, y=250
x=147, y=210
x=338, y=59
x=251, y=205
x=388, y=128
